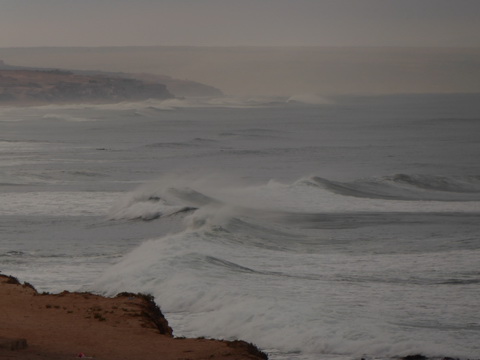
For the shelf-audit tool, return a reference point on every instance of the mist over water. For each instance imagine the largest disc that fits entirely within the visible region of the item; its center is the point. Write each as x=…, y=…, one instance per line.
x=338, y=227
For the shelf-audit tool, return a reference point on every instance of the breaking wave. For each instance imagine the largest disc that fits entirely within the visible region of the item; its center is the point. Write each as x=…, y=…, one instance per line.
x=406, y=187
x=250, y=262
x=65, y=117
x=303, y=199
x=151, y=107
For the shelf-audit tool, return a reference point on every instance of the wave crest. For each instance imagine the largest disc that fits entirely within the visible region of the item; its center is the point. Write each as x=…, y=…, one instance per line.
x=405, y=187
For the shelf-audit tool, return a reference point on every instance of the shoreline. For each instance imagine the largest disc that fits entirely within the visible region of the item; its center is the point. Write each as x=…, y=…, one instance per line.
x=71, y=324
x=45, y=326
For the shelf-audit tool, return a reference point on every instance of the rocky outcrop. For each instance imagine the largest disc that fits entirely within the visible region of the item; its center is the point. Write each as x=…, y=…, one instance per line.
x=55, y=86
x=180, y=88
x=129, y=326
x=176, y=87
x=13, y=344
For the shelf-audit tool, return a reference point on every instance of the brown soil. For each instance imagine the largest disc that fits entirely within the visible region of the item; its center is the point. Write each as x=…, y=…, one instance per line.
x=62, y=326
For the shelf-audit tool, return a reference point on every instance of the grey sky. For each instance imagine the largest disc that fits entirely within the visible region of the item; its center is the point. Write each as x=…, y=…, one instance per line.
x=240, y=22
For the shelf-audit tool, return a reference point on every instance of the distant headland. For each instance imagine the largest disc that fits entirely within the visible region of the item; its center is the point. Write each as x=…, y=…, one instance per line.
x=39, y=86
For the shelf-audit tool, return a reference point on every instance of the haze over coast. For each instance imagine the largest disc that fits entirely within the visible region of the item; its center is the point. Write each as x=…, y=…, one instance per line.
x=36, y=86
x=283, y=71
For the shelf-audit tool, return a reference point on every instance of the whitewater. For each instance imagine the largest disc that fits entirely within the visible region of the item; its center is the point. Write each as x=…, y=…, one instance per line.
x=339, y=228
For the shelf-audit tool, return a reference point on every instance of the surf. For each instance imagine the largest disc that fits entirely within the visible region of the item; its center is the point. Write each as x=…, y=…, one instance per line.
x=254, y=261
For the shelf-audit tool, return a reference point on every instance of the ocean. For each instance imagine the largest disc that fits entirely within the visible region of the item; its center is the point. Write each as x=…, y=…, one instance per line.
x=339, y=228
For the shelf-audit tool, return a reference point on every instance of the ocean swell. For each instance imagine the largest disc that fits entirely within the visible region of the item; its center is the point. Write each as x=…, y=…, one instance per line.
x=406, y=187
x=249, y=262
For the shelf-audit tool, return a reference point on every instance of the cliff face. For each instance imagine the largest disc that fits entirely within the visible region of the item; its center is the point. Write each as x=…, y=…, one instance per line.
x=180, y=88
x=43, y=87
x=177, y=87
x=37, y=326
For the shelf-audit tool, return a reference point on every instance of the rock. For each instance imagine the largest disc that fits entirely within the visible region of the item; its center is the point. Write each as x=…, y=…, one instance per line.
x=13, y=344
x=55, y=86
x=128, y=326
x=415, y=357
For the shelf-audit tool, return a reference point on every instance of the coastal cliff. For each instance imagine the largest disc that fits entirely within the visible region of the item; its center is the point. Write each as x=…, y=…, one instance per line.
x=89, y=85
x=55, y=86
x=67, y=325
x=180, y=88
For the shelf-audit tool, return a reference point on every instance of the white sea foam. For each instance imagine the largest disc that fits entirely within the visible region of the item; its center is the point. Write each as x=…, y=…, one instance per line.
x=56, y=203
x=175, y=194
x=21, y=147
x=65, y=117
x=225, y=290
x=145, y=209
x=309, y=99
x=149, y=107
x=377, y=258
x=301, y=197
x=226, y=276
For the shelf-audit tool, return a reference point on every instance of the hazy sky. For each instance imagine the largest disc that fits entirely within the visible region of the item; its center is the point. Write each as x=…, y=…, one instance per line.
x=240, y=22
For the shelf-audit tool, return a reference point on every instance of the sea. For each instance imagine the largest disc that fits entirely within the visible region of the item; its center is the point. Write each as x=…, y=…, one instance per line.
x=335, y=228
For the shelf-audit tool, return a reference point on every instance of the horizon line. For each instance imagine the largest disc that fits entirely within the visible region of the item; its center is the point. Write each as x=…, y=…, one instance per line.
x=243, y=46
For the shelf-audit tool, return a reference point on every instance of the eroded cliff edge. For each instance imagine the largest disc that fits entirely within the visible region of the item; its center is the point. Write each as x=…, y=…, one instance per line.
x=129, y=326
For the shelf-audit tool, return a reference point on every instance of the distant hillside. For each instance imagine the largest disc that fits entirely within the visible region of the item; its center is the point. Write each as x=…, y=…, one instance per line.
x=180, y=88
x=176, y=87
x=54, y=86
